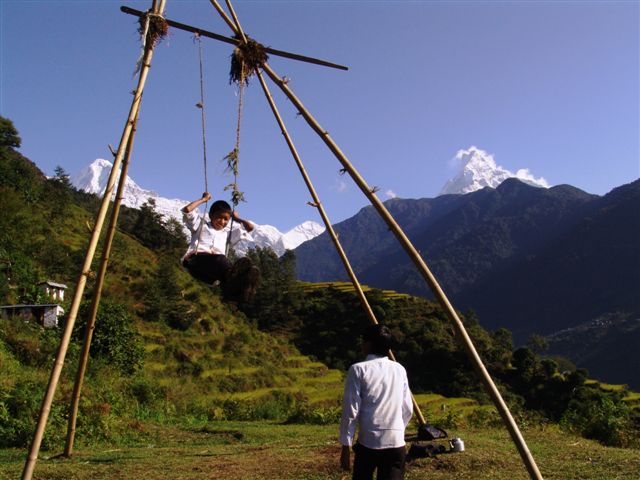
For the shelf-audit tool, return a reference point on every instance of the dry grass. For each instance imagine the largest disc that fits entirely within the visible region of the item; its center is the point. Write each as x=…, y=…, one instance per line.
x=260, y=450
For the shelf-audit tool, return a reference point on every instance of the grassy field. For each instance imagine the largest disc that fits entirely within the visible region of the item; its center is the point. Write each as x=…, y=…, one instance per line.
x=257, y=450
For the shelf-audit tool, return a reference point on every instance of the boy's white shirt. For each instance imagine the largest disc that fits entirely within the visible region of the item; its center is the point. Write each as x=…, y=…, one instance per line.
x=210, y=240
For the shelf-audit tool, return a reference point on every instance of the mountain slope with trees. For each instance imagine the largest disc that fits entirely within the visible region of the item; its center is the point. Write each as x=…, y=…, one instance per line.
x=164, y=347
x=532, y=260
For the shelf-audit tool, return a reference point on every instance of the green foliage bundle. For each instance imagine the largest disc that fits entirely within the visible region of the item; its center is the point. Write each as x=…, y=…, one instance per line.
x=601, y=416
x=275, y=304
x=25, y=348
x=18, y=407
x=163, y=298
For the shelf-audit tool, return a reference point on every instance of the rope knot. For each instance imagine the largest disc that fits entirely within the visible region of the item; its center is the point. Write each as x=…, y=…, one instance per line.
x=153, y=28
x=246, y=58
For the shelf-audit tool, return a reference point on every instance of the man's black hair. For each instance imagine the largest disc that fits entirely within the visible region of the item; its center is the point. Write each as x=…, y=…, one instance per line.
x=380, y=338
x=219, y=206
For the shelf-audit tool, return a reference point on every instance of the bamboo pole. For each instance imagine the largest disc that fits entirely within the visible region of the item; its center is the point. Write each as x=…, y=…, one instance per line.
x=235, y=41
x=318, y=204
x=467, y=344
x=330, y=230
x=82, y=279
x=97, y=294
x=426, y=273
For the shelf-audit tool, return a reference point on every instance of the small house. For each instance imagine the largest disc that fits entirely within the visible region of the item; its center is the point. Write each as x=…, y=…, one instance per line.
x=45, y=315
x=54, y=291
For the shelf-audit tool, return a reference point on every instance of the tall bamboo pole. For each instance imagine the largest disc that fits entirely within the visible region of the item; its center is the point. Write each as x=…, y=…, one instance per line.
x=462, y=334
x=97, y=294
x=330, y=230
x=467, y=344
x=316, y=200
x=86, y=267
x=318, y=204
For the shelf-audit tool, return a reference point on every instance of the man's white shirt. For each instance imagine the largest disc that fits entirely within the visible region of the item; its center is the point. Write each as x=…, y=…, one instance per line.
x=377, y=396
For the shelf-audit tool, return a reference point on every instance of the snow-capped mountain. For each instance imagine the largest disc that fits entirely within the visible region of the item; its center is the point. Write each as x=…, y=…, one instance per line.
x=478, y=170
x=93, y=179
x=300, y=234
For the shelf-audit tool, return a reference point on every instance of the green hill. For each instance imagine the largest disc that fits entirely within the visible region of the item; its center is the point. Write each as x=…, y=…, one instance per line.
x=165, y=346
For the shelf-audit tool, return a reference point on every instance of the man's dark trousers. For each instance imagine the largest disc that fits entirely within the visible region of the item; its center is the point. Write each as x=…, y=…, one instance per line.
x=388, y=461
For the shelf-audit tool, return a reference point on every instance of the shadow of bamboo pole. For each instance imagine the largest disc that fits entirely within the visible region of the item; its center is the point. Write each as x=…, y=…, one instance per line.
x=157, y=9
x=430, y=279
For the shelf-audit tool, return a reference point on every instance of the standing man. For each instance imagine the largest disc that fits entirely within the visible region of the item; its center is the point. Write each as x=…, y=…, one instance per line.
x=377, y=397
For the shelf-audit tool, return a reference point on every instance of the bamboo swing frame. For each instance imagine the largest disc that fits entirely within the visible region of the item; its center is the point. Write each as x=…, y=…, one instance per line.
x=121, y=161
x=27, y=473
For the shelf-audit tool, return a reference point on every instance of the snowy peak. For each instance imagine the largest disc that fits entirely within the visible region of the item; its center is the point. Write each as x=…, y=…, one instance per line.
x=478, y=170
x=300, y=234
x=94, y=178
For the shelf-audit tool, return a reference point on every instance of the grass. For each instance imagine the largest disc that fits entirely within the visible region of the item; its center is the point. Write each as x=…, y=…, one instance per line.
x=632, y=399
x=257, y=450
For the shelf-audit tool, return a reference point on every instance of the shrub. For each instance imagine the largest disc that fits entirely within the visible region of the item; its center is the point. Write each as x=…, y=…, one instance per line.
x=114, y=338
x=30, y=344
x=600, y=416
x=144, y=391
x=19, y=410
x=483, y=417
x=314, y=415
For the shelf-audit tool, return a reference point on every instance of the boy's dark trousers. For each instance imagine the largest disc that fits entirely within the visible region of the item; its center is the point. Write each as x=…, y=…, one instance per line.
x=208, y=268
x=388, y=461
x=239, y=281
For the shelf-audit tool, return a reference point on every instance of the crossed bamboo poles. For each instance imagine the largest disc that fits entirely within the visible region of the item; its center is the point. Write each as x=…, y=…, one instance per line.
x=124, y=151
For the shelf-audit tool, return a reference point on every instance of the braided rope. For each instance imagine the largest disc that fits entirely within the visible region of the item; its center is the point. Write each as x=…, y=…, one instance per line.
x=200, y=105
x=233, y=158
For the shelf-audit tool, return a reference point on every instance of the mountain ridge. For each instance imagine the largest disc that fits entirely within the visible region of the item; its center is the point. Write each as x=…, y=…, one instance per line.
x=497, y=239
x=534, y=261
x=93, y=179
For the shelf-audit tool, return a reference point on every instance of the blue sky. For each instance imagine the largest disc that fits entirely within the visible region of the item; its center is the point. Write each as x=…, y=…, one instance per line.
x=550, y=86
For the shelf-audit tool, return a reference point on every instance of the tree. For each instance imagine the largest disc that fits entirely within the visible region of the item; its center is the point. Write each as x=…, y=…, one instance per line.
x=163, y=300
x=278, y=296
x=58, y=193
x=114, y=338
x=8, y=134
x=538, y=343
x=150, y=228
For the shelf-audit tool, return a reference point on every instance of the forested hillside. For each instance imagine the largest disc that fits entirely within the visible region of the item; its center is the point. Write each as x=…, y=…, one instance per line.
x=534, y=261
x=165, y=347
x=528, y=259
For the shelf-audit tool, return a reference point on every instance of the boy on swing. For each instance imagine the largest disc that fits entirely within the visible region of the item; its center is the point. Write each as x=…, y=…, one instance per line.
x=205, y=258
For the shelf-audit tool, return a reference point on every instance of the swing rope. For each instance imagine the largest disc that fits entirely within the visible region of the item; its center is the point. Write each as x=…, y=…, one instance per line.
x=200, y=105
x=233, y=157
